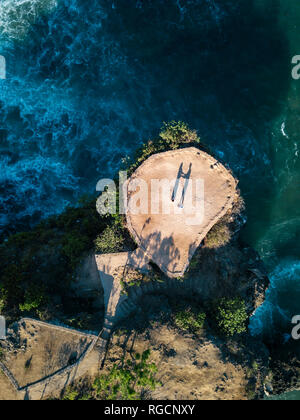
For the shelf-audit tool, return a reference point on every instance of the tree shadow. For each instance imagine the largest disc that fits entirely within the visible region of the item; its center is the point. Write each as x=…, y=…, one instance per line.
x=162, y=251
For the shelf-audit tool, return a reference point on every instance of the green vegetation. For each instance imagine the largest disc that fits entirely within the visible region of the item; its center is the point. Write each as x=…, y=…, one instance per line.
x=110, y=240
x=176, y=134
x=231, y=316
x=131, y=277
x=218, y=236
x=71, y=395
x=81, y=321
x=190, y=321
x=128, y=381
x=251, y=390
x=39, y=264
x=255, y=366
x=3, y=297
x=34, y=299
x=173, y=135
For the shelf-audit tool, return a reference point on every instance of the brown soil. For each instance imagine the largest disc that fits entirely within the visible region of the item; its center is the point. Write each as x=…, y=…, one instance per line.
x=34, y=351
x=7, y=391
x=194, y=367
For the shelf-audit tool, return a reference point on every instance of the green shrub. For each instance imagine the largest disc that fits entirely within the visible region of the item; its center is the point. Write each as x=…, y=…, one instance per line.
x=74, y=246
x=47, y=255
x=71, y=395
x=133, y=278
x=173, y=135
x=3, y=299
x=127, y=381
x=178, y=133
x=218, y=236
x=34, y=299
x=110, y=240
x=188, y=320
x=231, y=316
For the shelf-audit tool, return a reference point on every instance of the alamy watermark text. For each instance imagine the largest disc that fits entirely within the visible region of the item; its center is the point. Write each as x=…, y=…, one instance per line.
x=179, y=196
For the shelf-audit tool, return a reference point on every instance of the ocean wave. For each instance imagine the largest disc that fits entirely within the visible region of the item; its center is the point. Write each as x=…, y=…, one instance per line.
x=86, y=85
x=34, y=188
x=16, y=16
x=274, y=317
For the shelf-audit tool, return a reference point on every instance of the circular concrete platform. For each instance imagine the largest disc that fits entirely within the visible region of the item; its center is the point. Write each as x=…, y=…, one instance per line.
x=174, y=199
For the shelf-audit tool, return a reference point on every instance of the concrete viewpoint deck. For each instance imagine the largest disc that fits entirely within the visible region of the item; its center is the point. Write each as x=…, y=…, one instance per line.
x=170, y=240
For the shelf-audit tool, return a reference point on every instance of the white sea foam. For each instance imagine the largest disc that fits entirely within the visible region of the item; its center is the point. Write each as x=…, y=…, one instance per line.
x=16, y=16
x=283, y=130
x=34, y=185
x=282, y=300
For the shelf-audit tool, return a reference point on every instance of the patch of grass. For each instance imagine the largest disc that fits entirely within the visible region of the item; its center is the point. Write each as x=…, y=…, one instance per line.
x=73, y=247
x=132, y=278
x=80, y=322
x=127, y=381
x=251, y=391
x=221, y=234
x=255, y=366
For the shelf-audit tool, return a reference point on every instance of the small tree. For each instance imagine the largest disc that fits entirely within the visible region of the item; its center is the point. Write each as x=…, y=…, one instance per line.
x=231, y=316
x=176, y=133
x=34, y=299
x=110, y=240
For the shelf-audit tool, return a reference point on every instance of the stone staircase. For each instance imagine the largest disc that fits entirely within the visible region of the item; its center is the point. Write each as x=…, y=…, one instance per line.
x=130, y=304
x=119, y=306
